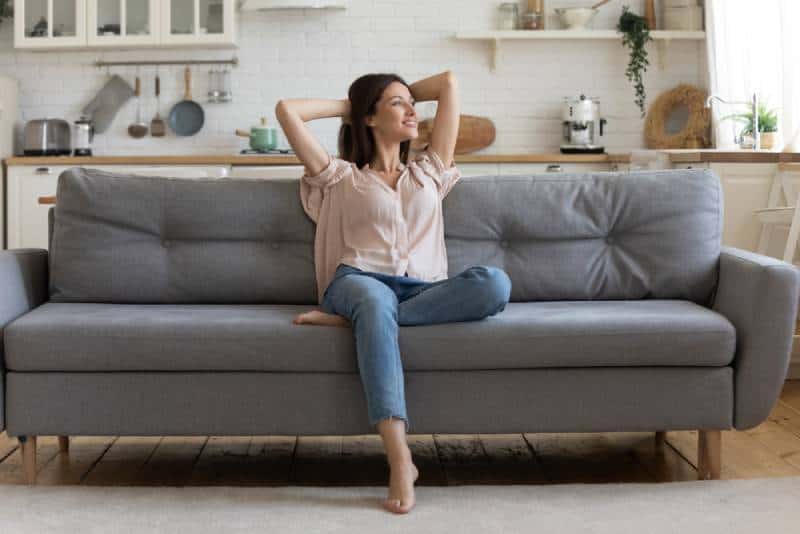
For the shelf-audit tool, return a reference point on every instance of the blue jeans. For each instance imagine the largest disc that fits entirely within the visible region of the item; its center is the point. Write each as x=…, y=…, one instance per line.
x=376, y=304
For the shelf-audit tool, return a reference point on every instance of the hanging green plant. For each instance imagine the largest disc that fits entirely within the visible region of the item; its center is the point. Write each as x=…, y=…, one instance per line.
x=6, y=9
x=635, y=35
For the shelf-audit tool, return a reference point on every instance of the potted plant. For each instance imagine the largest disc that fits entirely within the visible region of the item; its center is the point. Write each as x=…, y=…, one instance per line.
x=635, y=35
x=767, y=124
x=6, y=9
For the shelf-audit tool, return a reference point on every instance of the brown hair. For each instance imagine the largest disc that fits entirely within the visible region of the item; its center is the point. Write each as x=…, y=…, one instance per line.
x=356, y=140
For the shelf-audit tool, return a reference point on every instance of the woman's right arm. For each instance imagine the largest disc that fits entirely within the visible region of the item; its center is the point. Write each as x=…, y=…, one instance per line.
x=293, y=113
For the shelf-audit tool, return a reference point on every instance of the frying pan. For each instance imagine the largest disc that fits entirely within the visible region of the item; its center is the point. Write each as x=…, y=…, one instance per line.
x=186, y=117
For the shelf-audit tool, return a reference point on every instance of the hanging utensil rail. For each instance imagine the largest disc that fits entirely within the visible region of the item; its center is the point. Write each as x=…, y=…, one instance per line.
x=233, y=61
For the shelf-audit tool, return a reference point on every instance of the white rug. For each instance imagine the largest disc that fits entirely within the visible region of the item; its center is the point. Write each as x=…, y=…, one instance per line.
x=770, y=506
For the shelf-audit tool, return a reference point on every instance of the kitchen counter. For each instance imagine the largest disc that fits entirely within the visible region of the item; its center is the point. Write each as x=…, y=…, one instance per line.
x=280, y=159
x=676, y=156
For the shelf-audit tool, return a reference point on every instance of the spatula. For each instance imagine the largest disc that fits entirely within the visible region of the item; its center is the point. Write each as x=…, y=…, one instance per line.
x=157, y=126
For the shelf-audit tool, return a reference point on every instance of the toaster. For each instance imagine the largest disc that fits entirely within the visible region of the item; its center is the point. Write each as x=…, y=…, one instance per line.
x=47, y=137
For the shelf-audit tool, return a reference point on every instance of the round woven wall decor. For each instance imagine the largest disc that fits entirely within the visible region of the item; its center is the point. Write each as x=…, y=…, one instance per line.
x=696, y=133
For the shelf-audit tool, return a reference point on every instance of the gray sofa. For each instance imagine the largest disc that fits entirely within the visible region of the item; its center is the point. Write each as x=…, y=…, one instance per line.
x=165, y=306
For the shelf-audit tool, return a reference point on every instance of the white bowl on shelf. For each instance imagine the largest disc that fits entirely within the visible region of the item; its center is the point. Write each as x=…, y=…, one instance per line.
x=576, y=18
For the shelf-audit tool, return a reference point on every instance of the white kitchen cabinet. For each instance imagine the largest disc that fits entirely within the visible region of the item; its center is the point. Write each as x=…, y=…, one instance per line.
x=198, y=22
x=123, y=22
x=551, y=168
x=692, y=165
x=76, y=24
x=510, y=169
x=745, y=188
x=289, y=172
x=27, y=219
x=49, y=23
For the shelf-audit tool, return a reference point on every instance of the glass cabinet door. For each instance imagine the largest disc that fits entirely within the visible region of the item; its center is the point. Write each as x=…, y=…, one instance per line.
x=123, y=22
x=198, y=21
x=49, y=23
x=37, y=19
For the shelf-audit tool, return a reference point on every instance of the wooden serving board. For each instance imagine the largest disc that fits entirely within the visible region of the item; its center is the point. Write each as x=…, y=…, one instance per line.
x=474, y=133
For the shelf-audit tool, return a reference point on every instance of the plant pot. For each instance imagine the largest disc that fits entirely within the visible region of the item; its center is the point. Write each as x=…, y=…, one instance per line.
x=767, y=140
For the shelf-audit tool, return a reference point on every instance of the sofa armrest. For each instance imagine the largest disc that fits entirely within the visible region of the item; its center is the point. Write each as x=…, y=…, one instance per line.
x=23, y=285
x=758, y=294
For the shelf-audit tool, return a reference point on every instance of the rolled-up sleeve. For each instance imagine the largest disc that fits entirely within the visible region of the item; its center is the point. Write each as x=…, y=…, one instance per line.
x=314, y=188
x=432, y=165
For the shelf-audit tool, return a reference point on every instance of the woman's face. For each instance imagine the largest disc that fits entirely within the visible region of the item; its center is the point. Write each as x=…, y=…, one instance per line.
x=395, y=118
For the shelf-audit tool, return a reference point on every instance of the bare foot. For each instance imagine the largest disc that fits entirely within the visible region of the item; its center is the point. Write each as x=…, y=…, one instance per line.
x=321, y=318
x=401, y=488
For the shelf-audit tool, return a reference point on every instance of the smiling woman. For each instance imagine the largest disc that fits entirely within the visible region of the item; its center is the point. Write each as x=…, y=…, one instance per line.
x=380, y=237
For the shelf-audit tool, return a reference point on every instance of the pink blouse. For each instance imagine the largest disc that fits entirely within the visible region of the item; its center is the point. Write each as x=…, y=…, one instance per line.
x=363, y=222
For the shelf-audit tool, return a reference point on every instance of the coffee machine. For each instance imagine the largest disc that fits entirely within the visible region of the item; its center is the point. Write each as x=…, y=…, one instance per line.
x=84, y=135
x=582, y=126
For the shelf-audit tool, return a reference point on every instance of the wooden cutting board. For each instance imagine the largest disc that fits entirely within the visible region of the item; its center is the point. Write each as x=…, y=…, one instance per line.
x=474, y=133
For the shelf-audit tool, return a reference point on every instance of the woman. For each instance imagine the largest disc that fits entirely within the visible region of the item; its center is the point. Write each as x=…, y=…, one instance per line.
x=379, y=249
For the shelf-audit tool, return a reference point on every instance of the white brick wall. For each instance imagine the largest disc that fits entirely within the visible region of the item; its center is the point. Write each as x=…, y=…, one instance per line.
x=318, y=53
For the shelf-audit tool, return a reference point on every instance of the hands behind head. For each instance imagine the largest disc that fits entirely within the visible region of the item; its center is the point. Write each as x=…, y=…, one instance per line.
x=346, y=115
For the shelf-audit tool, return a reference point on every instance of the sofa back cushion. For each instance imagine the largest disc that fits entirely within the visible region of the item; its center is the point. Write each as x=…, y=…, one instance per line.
x=601, y=235
x=137, y=239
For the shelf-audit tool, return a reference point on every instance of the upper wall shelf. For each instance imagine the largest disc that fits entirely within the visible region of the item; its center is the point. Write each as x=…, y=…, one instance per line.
x=495, y=36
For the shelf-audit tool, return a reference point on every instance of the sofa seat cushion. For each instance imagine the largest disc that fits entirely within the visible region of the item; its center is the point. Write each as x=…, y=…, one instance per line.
x=221, y=337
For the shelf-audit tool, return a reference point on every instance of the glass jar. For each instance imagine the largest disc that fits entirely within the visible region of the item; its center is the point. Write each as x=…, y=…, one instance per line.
x=508, y=15
x=531, y=21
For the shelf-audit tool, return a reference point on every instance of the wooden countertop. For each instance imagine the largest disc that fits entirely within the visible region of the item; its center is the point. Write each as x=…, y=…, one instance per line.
x=692, y=155
x=676, y=156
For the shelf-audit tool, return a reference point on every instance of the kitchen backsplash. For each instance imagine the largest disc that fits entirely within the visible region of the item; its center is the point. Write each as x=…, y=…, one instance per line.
x=318, y=53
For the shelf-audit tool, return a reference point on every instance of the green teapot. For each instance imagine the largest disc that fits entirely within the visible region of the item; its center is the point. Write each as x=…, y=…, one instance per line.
x=262, y=137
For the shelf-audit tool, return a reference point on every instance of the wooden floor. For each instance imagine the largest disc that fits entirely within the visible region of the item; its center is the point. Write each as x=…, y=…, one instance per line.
x=770, y=450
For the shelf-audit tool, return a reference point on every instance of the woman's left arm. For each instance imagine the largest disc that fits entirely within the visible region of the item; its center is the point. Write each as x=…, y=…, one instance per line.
x=442, y=87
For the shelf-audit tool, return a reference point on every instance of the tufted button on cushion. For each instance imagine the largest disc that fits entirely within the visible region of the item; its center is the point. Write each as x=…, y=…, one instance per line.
x=275, y=245
x=504, y=243
x=609, y=239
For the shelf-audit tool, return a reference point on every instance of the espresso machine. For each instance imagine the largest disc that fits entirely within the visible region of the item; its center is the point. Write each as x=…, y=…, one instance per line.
x=582, y=126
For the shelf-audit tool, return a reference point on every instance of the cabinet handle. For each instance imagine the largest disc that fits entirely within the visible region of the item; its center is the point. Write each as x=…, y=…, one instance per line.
x=554, y=168
x=44, y=170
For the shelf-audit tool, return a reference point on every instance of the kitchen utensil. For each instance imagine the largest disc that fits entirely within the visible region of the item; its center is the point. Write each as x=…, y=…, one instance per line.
x=84, y=135
x=138, y=129
x=187, y=117
x=576, y=18
x=650, y=14
x=225, y=93
x=598, y=4
x=157, y=126
x=582, y=126
x=108, y=101
x=474, y=133
x=262, y=137
x=47, y=137
x=214, y=84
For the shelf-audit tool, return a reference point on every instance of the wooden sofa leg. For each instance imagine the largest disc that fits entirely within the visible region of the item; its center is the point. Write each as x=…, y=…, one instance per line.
x=709, y=454
x=661, y=438
x=29, y=458
x=63, y=443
